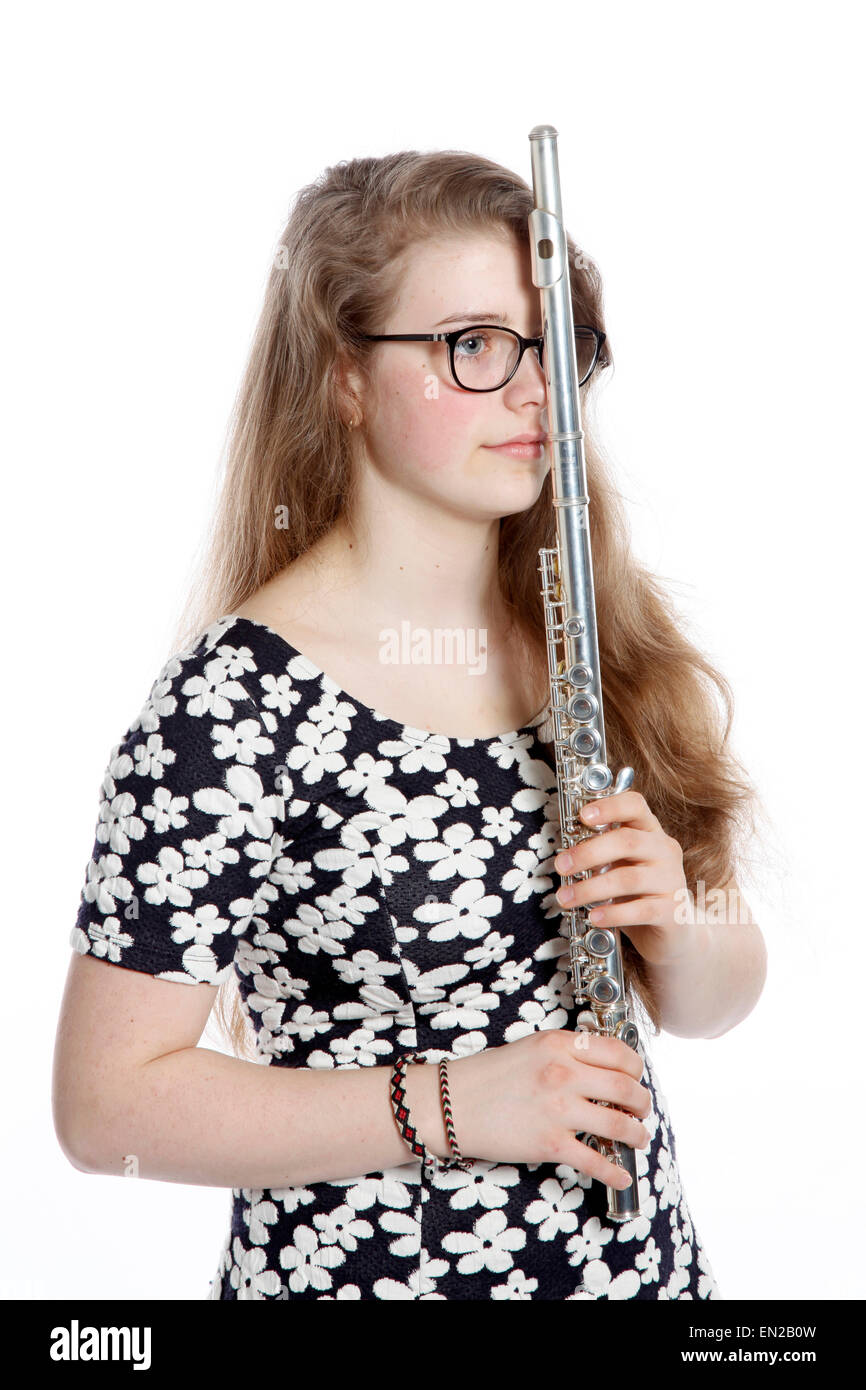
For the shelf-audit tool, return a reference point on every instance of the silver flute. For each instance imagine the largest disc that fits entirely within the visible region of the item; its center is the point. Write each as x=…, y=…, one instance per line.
x=567, y=591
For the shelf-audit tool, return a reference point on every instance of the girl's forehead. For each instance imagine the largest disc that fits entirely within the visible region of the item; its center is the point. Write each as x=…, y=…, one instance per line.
x=461, y=251
x=454, y=279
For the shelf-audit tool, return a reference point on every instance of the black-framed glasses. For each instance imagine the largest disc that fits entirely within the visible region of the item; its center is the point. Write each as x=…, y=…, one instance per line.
x=485, y=356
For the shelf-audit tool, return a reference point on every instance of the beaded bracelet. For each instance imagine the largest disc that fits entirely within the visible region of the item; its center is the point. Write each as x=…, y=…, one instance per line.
x=431, y=1162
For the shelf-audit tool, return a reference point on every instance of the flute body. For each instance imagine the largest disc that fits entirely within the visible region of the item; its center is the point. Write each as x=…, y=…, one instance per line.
x=582, y=773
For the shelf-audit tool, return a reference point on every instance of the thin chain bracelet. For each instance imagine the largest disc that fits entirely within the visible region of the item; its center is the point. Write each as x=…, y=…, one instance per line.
x=457, y=1161
x=431, y=1163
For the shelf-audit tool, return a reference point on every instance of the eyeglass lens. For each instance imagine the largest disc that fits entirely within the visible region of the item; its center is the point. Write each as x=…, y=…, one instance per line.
x=484, y=358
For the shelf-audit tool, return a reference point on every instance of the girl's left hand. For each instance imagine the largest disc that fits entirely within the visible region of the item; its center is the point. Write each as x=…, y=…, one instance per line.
x=646, y=876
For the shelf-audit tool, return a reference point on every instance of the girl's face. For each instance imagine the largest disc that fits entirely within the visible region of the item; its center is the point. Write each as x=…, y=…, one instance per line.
x=425, y=435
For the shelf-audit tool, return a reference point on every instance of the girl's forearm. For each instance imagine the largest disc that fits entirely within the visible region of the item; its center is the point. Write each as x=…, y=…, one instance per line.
x=716, y=984
x=198, y=1116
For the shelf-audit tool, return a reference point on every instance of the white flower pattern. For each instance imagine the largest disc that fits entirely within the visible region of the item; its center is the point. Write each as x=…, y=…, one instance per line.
x=375, y=889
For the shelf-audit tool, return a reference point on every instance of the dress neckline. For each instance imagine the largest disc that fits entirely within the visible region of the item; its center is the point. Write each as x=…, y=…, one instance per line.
x=233, y=619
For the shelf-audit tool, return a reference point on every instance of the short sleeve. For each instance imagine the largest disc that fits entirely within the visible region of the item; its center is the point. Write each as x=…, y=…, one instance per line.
x=189, y=818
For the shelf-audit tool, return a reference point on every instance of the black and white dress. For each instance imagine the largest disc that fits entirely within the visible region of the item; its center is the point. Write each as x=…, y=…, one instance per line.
x=376, y=889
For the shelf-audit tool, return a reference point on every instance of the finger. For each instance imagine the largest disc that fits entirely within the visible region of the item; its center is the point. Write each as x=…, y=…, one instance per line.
x=627, y=880
x=634, y=912
x=637, y=1109
x=628, y=808
x=613, y=1055
x=606, y=847
x=588, y=1161
x=607, y=1122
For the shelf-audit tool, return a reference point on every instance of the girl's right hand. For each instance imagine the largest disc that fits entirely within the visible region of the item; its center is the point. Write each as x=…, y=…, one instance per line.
x=526, y=1101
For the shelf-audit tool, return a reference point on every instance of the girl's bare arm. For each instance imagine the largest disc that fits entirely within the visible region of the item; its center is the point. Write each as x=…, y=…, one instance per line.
x=133, y=1093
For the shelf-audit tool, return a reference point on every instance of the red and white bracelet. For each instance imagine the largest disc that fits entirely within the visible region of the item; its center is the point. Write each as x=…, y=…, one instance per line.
x=431, y=1163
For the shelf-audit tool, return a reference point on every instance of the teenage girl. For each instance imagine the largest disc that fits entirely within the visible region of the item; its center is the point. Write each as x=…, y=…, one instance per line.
x=337, y=807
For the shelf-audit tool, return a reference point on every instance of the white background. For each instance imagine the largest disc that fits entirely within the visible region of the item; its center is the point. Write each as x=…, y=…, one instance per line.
x=711, y=162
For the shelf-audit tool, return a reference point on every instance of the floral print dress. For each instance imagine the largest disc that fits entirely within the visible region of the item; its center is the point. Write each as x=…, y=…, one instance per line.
x=375, y=889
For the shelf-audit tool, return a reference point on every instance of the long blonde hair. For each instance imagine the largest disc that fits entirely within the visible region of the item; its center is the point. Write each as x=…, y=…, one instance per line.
x=336, y=271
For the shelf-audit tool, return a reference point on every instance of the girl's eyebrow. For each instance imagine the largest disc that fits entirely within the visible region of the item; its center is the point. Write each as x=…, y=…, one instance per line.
x=479, y=315
x=475, y=316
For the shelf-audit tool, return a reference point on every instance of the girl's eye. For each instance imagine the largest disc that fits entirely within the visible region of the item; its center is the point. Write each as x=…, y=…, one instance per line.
x=471, y=338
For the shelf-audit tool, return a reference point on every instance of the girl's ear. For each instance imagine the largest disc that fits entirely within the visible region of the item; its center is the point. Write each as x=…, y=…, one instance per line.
x=347, y=380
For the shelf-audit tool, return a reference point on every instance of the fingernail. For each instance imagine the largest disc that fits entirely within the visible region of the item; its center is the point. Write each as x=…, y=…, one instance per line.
x=589, y=812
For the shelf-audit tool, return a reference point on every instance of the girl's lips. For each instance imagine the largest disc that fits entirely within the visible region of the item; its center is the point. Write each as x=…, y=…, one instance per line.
x=518, y=451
